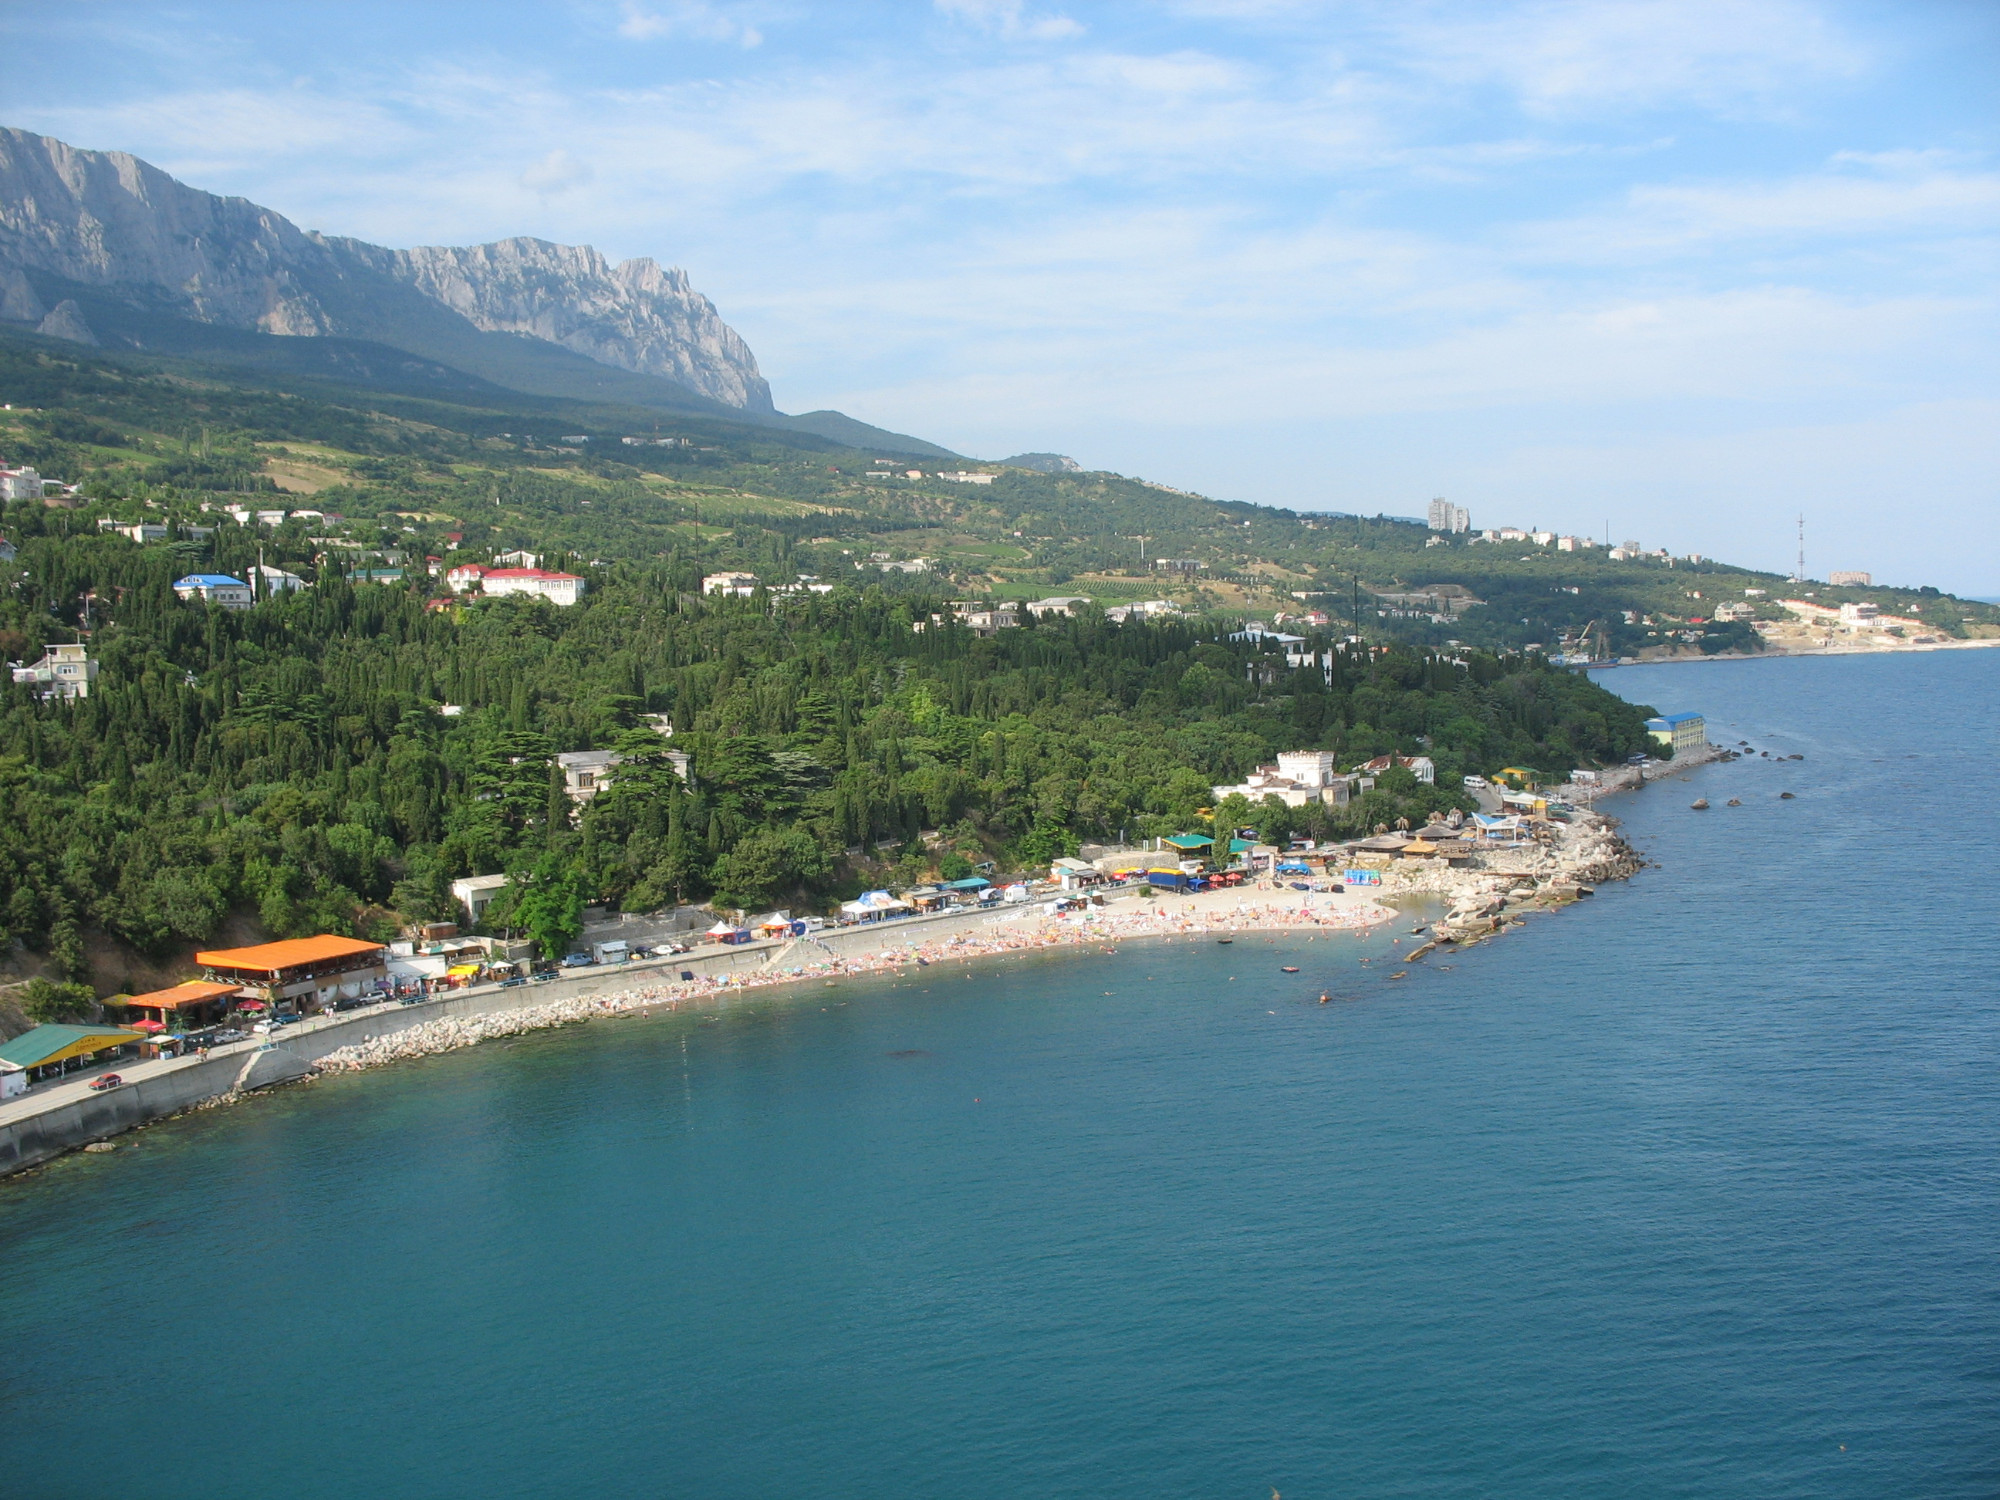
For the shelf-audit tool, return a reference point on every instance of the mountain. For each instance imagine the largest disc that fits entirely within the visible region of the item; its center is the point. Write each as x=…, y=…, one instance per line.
x=99, y=247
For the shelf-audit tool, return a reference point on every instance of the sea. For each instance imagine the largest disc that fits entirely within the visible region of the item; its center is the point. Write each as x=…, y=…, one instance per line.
x=1689, y=1190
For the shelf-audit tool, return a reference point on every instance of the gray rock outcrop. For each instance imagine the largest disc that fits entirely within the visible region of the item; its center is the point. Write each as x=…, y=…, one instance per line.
x=66, y=321
x=107, y=220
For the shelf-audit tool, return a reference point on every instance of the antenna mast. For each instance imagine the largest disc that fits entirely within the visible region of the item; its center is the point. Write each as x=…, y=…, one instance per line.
x=1800, y=575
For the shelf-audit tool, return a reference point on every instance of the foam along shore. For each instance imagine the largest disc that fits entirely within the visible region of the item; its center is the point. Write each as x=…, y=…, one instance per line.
x=1212, y=912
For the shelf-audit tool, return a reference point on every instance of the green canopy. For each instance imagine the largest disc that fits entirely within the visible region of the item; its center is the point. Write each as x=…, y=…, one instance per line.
x=54, y=1044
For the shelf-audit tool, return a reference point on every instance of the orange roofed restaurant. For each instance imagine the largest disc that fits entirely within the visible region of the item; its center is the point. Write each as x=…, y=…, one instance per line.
x=309, y=973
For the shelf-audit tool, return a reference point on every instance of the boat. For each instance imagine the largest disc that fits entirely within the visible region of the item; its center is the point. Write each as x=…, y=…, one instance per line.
x=1291, y=968
x=1225, y=940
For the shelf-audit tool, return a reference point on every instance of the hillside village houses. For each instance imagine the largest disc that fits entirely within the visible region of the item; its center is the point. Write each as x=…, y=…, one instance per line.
x=63, y=672
x=215, y=588
x=730, y=585
x=1301, y=777
x=20, y=484
x=1145, y=609
x=558, y=588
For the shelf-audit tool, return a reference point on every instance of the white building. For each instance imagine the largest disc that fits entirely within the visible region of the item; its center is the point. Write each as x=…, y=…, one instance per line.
x=1444, y=516
x=137, y=531
x=477, y=892
x=465, y=576
x=518, y=560
x=1570, y=543
x=1145, y=609
x=586, y=772
x=1057, y=604
x=1542, y=538
x=730, y=585
x=20, y=484
x=63, y=672
x=558, y=588
x=275, y=581
x=964, y=478
x=215, y=588
x=1844, y=579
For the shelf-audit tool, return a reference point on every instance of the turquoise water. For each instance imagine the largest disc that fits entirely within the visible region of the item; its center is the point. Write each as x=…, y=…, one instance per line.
x=1673, y=1194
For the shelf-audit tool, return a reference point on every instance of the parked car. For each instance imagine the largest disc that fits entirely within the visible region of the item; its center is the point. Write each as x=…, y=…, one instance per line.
x=576, y=961
x=1476, y=783
x=512, y=980
x=104, y=1081
x=230, y=1034
x=671, y=950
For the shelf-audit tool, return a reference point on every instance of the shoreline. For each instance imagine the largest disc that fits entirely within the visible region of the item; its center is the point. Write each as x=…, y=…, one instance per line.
x=1781, y=653
x=1481, y=903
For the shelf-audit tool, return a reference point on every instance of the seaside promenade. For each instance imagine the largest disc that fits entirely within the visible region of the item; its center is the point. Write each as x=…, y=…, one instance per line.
x=61, y=1117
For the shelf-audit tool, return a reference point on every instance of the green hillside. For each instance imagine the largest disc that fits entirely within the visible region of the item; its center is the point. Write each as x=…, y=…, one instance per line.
x=292, y=766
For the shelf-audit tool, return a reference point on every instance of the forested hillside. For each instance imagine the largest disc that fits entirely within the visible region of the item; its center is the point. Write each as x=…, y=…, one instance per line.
x=294, y=765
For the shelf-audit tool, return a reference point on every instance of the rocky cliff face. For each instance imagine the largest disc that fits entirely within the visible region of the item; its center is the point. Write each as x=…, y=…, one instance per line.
x=106, y=220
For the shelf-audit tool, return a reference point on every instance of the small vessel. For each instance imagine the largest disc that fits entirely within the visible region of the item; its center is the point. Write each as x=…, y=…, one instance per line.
x=1786, y=796
x=1700, y=804
x=1291, y=968
x=1225, y=940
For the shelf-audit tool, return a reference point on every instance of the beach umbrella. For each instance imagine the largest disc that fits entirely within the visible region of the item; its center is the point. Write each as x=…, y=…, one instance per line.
x=251, y=1005
x=145, y=1026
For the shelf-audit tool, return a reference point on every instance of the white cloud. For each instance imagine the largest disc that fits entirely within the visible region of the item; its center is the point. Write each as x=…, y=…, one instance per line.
x=1010, y=19
x=686, y=18
x=557, y=172
x=1561, y=57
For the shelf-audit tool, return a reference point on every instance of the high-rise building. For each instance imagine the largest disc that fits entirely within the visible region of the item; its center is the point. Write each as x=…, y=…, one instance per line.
x=1445, y=516
x=1850, y=579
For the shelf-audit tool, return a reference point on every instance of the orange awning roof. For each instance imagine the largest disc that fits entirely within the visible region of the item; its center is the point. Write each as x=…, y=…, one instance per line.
x=194, y=992
x=291, y=954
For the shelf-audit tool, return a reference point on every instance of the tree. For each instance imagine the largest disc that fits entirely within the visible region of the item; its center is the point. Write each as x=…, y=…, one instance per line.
x=46, y=1001
x=549, y=905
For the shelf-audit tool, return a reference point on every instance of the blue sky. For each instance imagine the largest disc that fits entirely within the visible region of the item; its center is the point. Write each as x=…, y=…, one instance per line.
x=1682, y=268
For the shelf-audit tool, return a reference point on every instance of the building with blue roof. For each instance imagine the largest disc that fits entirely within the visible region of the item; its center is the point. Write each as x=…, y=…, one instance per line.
x=215, y=588
x=1678, y=732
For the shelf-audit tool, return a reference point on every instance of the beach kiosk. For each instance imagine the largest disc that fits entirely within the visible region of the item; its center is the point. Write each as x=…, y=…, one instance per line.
x=302, y=972
x=183, y=1008
x=56, y=1047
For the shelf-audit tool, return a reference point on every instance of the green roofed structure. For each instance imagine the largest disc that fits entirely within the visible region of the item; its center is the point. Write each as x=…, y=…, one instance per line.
x=1189, y=841
x=47, y=1046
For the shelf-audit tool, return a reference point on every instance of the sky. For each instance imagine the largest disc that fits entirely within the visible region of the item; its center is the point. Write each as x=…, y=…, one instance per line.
x=1673, y=270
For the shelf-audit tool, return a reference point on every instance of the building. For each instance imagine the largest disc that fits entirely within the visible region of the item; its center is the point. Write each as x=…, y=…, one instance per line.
x=1145, y=609
x=1299, y=778
x=1057, y=604
x=271, y=581
x=20, y=484
x=215, y=588
x=1444, y=516
x=185, y=1007
x=464, y=577
x=304, y=972
x=518, y=560
x=1178, y=565
x=1850, y=579
x=1440, y=602
x=558, y=588
x=138, y=531
x=54, y=1046
x=1730, y=611
x=1862, y=616
x=1570, y=543
x=477, y=892
x=1678, y=732
x=984, y=619
x=63, y=672
x=586, y=772
x=1313, y=768
x=730, y=585
x=1419, y=766
x=1541, y=538
x=964, y=478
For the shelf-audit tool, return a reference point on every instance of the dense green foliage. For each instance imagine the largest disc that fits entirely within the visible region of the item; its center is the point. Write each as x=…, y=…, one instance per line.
x=292, y=759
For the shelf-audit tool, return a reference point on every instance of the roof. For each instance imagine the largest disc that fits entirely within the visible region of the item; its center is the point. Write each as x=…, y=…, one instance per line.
x=1672, y=719
x=209, y=581
x=1188, y=840
x=48, y=1044
x=970, y=883
x=194, y=992
x=287, y=955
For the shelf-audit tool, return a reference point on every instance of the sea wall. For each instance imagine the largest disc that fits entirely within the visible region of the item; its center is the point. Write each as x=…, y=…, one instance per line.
x=63, y=1117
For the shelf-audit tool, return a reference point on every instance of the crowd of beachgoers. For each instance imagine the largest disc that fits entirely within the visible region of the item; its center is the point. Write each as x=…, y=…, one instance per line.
x=1208, y=914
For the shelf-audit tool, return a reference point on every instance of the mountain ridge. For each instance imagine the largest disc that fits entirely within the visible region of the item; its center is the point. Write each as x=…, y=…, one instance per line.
x=102, y=247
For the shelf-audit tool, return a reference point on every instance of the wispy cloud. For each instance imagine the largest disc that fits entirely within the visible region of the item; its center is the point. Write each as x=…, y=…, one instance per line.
x=693, y=19
x=1011, y=19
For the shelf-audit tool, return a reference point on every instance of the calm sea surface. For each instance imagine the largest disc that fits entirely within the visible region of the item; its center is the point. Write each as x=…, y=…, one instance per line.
x=1690, y=1191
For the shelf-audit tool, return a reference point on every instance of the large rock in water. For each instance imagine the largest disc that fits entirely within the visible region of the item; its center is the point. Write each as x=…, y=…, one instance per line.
x=105, y=219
